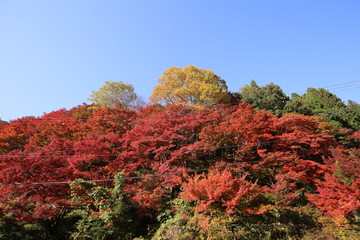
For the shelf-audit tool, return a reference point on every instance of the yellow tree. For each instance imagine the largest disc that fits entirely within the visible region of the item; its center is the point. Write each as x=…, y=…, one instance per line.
x=113, y=93
x=191, y=86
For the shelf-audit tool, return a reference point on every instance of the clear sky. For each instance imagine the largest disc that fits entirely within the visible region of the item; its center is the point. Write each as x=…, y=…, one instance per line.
x=53, y=53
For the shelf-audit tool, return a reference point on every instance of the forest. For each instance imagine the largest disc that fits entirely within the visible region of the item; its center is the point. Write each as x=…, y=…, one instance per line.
x=196, y=162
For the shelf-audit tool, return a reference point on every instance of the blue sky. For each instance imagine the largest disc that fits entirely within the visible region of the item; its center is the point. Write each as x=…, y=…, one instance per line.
x=53, y=53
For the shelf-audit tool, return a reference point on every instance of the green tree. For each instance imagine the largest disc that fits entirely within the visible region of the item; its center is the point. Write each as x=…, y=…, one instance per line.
x=191, y=86
x=106, y=212
x=322, y=101
x=113, y=93
x=319, y=102
x=269, y=97
x=352, y=115
x=297, y=105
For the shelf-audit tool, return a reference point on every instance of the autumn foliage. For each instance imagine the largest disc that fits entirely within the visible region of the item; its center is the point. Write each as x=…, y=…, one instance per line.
x=222, y=188
x=228, y=159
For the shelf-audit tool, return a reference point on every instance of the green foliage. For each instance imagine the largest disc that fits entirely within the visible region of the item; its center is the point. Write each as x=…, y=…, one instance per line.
x=269, y=97
x=10, y=229
x=105, y=213
x=185, y=223
x=113, y=93
x=178, y=225
x=297, y=105
x=321, y=100
x=324, y=103
x=14, y=230
x=351, y=115
x=329, y=231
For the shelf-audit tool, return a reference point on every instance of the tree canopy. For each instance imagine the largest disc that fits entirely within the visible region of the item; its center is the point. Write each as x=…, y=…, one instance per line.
x=113, y=93
x=269, y=97
x=191, y=86
x=324, y=103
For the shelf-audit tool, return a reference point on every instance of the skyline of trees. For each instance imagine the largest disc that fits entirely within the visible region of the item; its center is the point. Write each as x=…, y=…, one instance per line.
x=199, y=87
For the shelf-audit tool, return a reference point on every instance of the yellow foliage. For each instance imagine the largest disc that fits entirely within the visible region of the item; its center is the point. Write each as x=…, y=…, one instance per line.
x=191, y=86
x=113, y=93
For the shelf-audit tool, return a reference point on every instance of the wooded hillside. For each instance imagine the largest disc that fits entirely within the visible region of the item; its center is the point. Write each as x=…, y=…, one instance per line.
x=184, y=171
